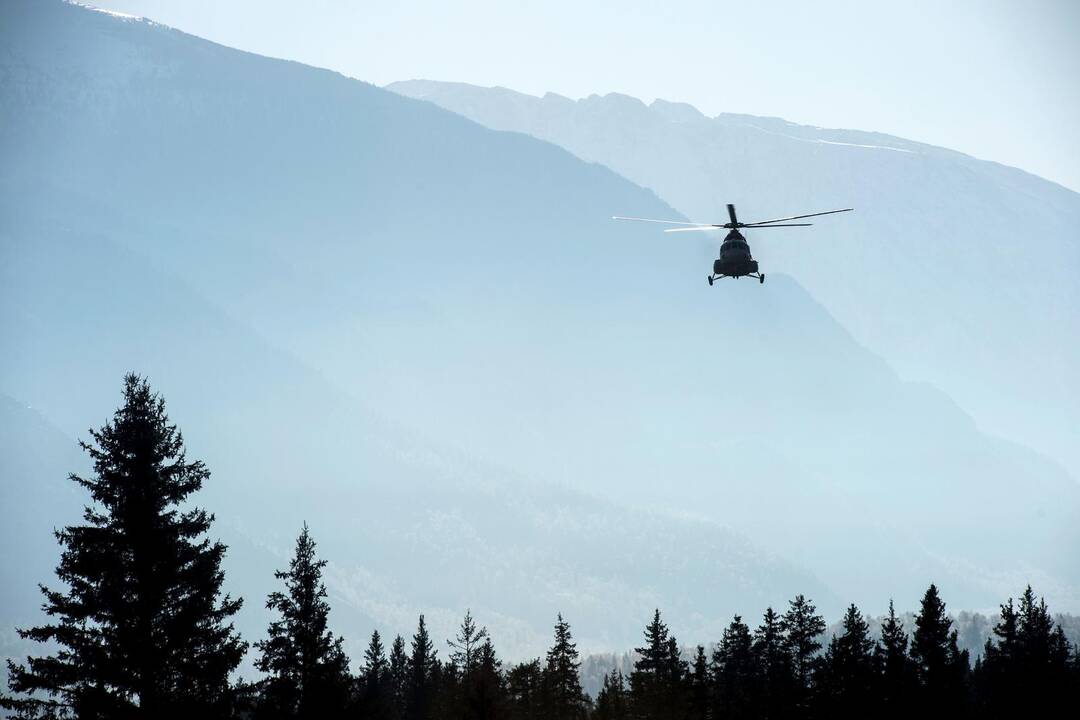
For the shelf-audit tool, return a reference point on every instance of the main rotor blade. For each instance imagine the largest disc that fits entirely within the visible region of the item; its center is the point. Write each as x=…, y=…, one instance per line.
x=696, y=227
x=766, y=227
x=665, y=222
x=796, y=217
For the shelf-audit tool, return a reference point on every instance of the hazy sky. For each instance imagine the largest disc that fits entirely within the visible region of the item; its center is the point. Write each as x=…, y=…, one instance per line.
x=997, y=79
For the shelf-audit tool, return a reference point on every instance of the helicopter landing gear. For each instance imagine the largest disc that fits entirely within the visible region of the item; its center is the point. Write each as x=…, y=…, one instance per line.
x=761, y=278
x=710, y=280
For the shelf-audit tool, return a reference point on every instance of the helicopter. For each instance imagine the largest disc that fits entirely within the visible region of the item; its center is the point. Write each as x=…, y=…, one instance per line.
x=735, y=260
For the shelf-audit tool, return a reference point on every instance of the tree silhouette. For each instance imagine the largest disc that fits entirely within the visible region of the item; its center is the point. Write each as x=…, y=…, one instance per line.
x=525, y=691
x=897, y=683
x=423, y=675
x=612, y=702
x=656, y=684
x=399, y=677
x=564, y=699
x=735, y=673
x=374, y=686
x=846, y=677
x=802, y=628
x=940, y=667
x=142, y=628
x=308, y=672
x=776, y=689
x=700, y=686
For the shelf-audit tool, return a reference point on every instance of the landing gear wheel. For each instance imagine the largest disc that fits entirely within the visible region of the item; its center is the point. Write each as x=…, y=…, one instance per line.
x=710, y=281
x=761, y=278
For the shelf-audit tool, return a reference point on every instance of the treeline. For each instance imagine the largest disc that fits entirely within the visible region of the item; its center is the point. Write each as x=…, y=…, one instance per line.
x=140, y=628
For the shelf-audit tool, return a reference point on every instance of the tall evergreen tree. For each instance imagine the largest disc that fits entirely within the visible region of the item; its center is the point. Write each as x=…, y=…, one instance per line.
x=802, y=628
x=735, y=673
x=656, y=684
x=484, y=690
x=374, y=686
x=897, y=674
x=308, y=672
x=525, y=691
x=941, y=668
x=141, y=630
x=700, y=685
x=612, y=702
x=398, y=668
x=562, y=683
x=423, y=675
x=776, y=689
x=846, y=677
x=1026, y=670
x=466, y=646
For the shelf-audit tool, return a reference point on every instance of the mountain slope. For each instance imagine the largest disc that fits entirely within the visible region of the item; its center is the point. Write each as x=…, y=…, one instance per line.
x=960, y=272
x=293, y=256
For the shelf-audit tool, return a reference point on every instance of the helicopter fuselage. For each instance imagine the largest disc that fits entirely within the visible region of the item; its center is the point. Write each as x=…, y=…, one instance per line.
x=735, y=259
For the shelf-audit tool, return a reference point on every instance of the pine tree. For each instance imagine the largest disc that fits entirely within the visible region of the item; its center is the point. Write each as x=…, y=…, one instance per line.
x=525, y=691
x=776, y=689
x=612, y=702
x=700, y=682
x=735, y=673
x=141, y=630
x=846, y=676
x=1026, y=671
x=399, y=677
x=656, y=684
x=375, y=692
x=940, y=667
x=423, y=675
x=308, y=672
x=484, y=691
x=897, y=674
x=802, y=628
x=564, y=699
x=466, y=646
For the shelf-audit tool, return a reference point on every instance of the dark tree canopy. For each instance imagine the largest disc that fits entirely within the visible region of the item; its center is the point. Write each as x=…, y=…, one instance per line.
x=308, y=672
x=939, y=664
x=564, y=699
x=140, y=625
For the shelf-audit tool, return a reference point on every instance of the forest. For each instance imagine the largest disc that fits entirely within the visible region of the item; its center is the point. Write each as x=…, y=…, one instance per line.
x=138, y=626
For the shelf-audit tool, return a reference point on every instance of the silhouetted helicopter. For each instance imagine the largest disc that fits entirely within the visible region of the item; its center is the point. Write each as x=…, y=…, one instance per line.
x=735, y=260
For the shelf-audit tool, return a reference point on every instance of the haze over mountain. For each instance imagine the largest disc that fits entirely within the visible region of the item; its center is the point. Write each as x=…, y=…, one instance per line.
x=426, y=338
x=960, y=272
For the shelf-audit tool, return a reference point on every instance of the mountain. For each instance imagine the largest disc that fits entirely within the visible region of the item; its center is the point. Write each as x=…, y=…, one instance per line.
x=426, y=338
x=960, y=272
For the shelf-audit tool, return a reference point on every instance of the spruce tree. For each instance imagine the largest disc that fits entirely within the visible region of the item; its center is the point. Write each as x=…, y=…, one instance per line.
x=656, y=684
x=897, y=674
x=398, y=677
x=1026, y=669
x=735, y=673
x=374, y=687
x=777, y=677
x=141, y=629
x=308, y=672
x=484, y=691
x=612, y=702
x=940, y=667
x=700, y=684
x=525, y=691
x=846, y=676
x=564, y=699
x=423, y=675
x=802, y=628
x=466, y=646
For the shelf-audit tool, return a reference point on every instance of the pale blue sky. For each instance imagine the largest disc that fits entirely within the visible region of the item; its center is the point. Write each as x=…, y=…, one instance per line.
x=994, y=78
